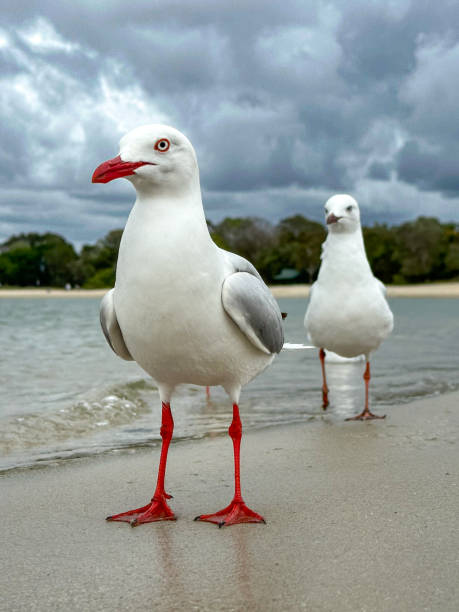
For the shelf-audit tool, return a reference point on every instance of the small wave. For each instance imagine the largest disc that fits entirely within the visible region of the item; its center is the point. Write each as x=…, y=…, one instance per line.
x=404, y=393
x=120, y=405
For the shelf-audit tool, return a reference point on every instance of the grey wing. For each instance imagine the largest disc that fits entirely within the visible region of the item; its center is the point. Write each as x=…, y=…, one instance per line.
x=249, y=303
x=305, y=322
x=111, y=328
x=239, y=264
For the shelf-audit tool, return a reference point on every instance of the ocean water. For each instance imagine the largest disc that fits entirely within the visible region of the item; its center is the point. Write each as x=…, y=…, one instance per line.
x=64, y=394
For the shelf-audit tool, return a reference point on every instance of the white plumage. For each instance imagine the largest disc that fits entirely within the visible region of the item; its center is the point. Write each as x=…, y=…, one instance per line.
x=183, y=309
x=347, y=311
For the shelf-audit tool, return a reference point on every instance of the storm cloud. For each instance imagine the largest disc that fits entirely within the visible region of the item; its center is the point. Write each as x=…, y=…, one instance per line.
x=285, y=103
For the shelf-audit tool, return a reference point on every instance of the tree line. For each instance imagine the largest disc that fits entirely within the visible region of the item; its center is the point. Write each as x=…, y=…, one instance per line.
x=289, y=251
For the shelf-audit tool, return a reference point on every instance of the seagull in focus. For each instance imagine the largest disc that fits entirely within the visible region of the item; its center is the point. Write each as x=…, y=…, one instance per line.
x=347, y=312
x=185, y=310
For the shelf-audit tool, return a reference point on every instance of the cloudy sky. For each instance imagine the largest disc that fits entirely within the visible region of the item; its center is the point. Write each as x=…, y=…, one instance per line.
x=285, y=102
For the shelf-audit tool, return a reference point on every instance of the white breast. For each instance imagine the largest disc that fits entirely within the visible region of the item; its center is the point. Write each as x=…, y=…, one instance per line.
x=168, y=303
x=347, y=313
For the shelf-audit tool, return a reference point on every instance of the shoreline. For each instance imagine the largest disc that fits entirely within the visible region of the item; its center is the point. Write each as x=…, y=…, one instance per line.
x=425, y=290
x=433, y=290
x=360, y=516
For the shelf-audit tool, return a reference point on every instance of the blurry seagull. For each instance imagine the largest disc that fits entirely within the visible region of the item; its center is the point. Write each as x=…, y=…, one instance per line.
x=185, y=310
x=347, y=312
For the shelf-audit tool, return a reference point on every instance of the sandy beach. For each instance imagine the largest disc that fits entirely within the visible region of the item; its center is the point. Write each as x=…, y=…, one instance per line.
x=54, y=293
x=440, y=290
x=360, y=516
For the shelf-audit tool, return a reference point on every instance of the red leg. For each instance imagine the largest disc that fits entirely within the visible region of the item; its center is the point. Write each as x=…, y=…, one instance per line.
x=237, y=511
x=324, y=378
x=208, y=392
x=157, y=509
x=366, y=415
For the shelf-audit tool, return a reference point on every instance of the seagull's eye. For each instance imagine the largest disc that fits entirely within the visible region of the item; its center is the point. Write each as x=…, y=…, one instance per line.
x=162, y=145
x=349, y=208
x=326, y=211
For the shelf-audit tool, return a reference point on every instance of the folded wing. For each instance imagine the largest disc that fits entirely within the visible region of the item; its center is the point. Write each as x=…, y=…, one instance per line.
x=240, y=264
x=249, y=303
x=111, y=328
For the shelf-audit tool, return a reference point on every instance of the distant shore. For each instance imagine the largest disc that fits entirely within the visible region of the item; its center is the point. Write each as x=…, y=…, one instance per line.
x=437, y=290
x=434, y=290
x=39, y=292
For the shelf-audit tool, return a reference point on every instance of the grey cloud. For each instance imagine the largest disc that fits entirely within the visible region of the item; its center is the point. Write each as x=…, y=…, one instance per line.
x=378, y=44
x=429, y=170
x=379, y=171
x=55, y=211
x=267, y=203
x=284, y=102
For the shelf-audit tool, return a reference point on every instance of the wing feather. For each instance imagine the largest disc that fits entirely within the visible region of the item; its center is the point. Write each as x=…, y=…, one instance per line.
x=240, y=264
x=111, y=328
x=250, y=304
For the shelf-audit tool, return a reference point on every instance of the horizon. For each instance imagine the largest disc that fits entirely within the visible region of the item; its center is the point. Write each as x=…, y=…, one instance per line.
x=274, y=223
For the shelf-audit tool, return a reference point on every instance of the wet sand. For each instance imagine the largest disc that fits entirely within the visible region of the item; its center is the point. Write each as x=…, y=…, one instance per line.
x=440, y=290
x=360, y=516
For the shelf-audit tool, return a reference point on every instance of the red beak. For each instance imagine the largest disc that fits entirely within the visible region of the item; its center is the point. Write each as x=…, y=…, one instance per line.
x=332, y=219
x=115, y=168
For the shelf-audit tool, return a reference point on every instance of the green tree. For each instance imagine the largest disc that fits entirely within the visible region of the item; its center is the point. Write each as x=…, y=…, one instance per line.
x=381, y=248
x=271, y=261
x=299, y=240
x=452, y=254
x=97, y=263
x=245, y=236
x=416, y=251
x=31, y=259
x=420, y=248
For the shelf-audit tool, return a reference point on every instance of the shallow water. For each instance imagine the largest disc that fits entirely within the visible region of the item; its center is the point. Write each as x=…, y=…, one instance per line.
x=65, y=394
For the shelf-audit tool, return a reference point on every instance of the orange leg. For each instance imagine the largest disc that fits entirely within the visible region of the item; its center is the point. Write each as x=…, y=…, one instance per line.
x=366, y=415
x=157, y=509
x=237, y=511
x=325, y=401
x=208, y=392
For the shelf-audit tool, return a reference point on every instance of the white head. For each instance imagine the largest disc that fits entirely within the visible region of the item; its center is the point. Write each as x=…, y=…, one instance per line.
x=155, y=158
x=342, y=213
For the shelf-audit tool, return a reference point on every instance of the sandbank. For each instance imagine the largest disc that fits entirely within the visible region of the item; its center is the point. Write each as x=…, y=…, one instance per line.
x=440, y=290
x=437, y=290
x=51, y=293
x=360, y=516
